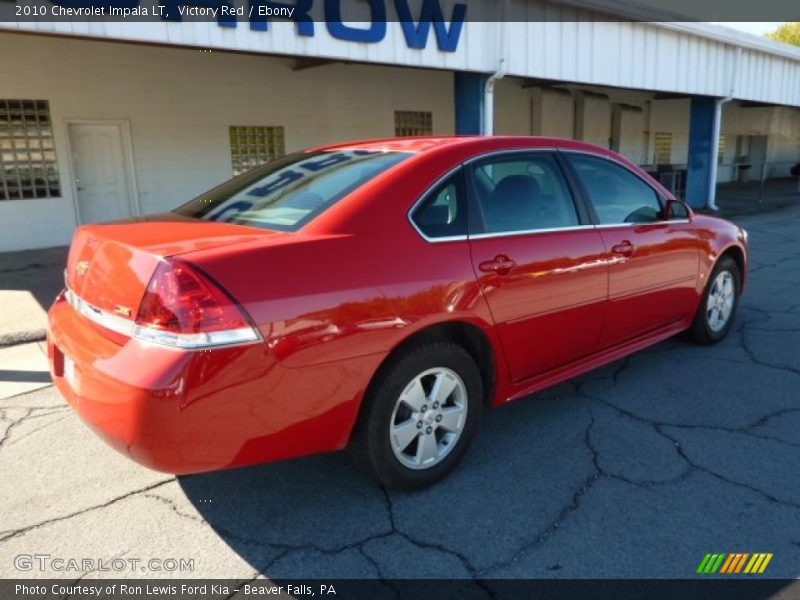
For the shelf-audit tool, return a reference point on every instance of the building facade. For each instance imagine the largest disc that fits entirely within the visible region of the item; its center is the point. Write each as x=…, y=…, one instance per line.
x=100, y=121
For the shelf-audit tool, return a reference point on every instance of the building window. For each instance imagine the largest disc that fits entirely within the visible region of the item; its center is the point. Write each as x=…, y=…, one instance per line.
x=722, y=145
x=663, y=147
x=413, y=122
x=253, y=145
x=28, y=167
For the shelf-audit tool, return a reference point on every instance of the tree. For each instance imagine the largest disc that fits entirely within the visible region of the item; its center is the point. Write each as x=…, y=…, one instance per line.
x=788, y=33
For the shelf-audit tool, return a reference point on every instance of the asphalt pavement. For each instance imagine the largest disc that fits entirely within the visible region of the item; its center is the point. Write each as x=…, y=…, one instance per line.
x=636, y=470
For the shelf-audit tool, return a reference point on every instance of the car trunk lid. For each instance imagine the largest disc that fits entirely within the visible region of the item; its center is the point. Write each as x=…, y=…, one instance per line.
x=110, y=265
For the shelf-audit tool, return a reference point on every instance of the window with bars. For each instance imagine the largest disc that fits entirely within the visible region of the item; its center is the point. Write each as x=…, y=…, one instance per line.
x=722, y=147
x=28, y=166
x=413, y=122
x=254, y=145
x=663, y=148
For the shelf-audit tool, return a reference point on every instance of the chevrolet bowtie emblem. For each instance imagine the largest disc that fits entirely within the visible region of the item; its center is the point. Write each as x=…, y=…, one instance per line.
x=82, y=267
x=122, y=310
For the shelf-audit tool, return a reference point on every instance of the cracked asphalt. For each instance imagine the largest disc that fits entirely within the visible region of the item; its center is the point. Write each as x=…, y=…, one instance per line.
x=636, y=470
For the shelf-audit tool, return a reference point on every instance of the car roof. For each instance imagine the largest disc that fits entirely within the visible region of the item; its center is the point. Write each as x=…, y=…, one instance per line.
x=419, y=144
x=435, y=156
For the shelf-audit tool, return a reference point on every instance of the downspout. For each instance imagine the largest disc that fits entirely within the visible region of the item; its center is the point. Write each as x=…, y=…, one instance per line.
x=712, y=197
x=488, y=90
x=488, y=98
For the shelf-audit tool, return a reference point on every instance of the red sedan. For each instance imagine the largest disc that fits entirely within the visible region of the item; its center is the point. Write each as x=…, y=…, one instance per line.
x=377, y=295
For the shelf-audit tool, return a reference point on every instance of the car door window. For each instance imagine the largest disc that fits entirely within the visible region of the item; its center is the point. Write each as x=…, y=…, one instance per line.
x=522, y=193
x=441, y=213
x=618, y=195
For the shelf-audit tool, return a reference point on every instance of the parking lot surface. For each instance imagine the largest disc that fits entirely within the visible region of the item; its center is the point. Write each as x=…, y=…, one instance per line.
x=636, y=470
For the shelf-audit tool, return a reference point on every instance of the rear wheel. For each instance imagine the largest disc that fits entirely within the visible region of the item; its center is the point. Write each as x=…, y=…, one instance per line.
x=419, y=415
x=716, y=312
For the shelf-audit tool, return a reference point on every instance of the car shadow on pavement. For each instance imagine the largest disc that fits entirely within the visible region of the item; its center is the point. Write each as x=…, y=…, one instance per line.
x=528, y=470
x=605, y=476
x=321, y=516
x=25, y=376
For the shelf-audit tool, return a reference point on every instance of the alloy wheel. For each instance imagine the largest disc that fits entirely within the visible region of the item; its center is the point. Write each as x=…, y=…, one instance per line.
x=721, y=298
x=428, y=418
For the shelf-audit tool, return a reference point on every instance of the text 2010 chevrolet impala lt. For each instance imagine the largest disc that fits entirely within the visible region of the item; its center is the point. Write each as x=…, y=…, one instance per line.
x=377, y=295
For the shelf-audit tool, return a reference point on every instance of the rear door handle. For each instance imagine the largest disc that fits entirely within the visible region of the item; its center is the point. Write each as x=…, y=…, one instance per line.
x=625, y=248
x=501, y=265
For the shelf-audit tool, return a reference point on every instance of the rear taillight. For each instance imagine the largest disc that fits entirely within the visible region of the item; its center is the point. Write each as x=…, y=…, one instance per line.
x=185, y=309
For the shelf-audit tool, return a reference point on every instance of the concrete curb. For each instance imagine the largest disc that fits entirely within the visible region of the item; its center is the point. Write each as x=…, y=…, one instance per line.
x=22, y=337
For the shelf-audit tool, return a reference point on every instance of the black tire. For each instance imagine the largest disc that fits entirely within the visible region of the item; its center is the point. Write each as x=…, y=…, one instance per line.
x=701, y=330
x=371, y=446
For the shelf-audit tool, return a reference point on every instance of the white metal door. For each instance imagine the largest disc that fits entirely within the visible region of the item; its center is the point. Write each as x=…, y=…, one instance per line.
x=101, y=172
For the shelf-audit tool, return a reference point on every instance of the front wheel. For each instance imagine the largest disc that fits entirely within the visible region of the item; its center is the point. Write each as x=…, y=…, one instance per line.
x=716, y=312
x=419, y=415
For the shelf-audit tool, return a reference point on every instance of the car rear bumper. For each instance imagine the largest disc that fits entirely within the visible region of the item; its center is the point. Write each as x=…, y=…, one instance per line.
x=187, y=411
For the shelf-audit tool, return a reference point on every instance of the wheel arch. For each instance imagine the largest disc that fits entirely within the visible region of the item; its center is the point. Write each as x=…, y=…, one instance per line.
x=737, y=254
x=469, y=336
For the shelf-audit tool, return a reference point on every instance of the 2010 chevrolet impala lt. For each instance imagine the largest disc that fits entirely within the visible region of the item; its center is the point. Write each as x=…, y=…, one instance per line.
x=378, y=295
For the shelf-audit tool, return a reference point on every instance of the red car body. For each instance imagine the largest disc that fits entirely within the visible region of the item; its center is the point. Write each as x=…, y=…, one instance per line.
x=334, y=299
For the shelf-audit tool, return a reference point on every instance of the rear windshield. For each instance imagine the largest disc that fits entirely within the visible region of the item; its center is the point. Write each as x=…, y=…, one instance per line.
x=287, y=193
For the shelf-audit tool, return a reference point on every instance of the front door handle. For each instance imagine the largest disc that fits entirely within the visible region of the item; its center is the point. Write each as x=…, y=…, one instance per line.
x=624, y=248
x=500, y=264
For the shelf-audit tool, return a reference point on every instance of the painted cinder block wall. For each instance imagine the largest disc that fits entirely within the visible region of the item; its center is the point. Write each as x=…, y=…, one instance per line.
x=180, y=103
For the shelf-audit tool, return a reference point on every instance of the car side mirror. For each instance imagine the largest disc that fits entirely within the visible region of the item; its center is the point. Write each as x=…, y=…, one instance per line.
x=676, y=210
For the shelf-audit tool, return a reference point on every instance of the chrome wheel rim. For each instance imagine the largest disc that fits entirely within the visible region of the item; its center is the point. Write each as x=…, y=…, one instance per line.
x=721, y=298
x=428, y=418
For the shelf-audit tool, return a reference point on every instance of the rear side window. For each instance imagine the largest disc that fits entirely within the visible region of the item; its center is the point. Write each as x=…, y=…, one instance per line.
x=442, y=214
x=287, y=193
x=618, y=195
x=523, y=193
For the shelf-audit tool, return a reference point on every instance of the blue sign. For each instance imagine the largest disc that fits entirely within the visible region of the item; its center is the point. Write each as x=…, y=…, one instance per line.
x=415, y=30
x=416, y=27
